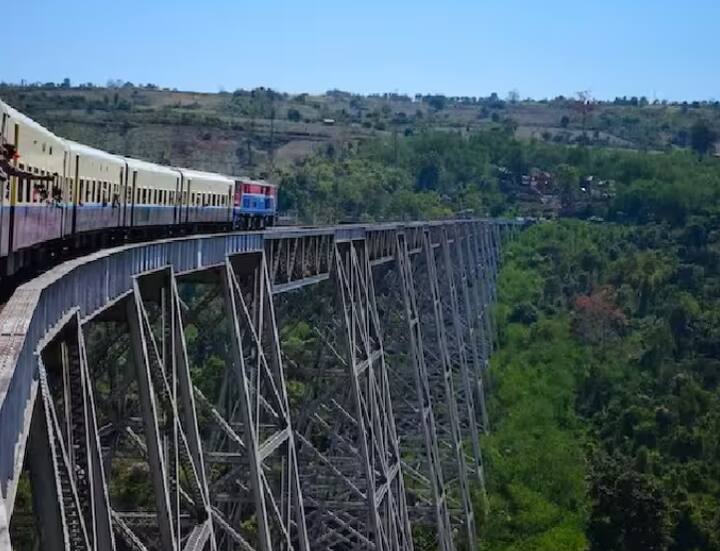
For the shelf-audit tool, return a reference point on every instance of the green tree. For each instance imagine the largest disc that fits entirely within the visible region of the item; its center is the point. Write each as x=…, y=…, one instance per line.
x=702, y=137
x=630, y=511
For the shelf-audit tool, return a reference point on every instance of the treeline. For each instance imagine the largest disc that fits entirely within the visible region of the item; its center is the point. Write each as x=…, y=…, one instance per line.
x=434, y=174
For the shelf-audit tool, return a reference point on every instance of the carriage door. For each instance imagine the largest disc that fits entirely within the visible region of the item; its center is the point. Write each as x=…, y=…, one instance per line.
x=4, y=186
x=133, y=195
x=187, y=201
x=177, y=200
x=126, y=198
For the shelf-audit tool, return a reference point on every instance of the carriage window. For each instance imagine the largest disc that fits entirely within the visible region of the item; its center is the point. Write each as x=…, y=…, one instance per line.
x=144, y=196
x=50, y=150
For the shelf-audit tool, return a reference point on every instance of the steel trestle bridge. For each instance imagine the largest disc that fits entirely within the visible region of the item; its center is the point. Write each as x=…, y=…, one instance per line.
x=363, y=432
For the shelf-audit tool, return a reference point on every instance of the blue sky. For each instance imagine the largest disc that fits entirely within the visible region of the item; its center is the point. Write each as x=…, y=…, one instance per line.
x=657, y=48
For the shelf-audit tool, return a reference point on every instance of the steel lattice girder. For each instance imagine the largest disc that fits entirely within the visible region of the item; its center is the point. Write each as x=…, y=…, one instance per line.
x=451, y=334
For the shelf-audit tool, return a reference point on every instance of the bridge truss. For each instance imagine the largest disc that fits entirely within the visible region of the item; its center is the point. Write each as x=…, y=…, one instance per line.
x=294, y=389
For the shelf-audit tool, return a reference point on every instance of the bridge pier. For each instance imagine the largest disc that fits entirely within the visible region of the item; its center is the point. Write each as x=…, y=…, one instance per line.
x=193, y=421
x=64, y=455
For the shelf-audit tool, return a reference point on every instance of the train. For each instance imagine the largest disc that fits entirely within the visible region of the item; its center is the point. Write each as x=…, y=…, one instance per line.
x=58, y=195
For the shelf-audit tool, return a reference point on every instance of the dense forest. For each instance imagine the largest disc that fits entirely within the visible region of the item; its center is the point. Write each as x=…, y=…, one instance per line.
x=436, y=174
x=605, y=389
x=604, y=392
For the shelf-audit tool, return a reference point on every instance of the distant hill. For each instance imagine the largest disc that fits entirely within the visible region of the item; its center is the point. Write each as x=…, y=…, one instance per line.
x=254, y=131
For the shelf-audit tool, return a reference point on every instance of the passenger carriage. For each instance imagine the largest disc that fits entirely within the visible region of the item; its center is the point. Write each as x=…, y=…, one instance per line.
x=32, y=196
x=96, y=178
x=207, y=197
x=152, y=195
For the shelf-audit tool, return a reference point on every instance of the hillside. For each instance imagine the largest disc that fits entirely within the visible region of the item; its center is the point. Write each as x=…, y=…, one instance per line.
x=254, y=132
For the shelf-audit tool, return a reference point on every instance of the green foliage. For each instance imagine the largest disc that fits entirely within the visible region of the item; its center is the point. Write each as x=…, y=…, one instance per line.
x=597, y=443
x=534, y=453
x=702, y=137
